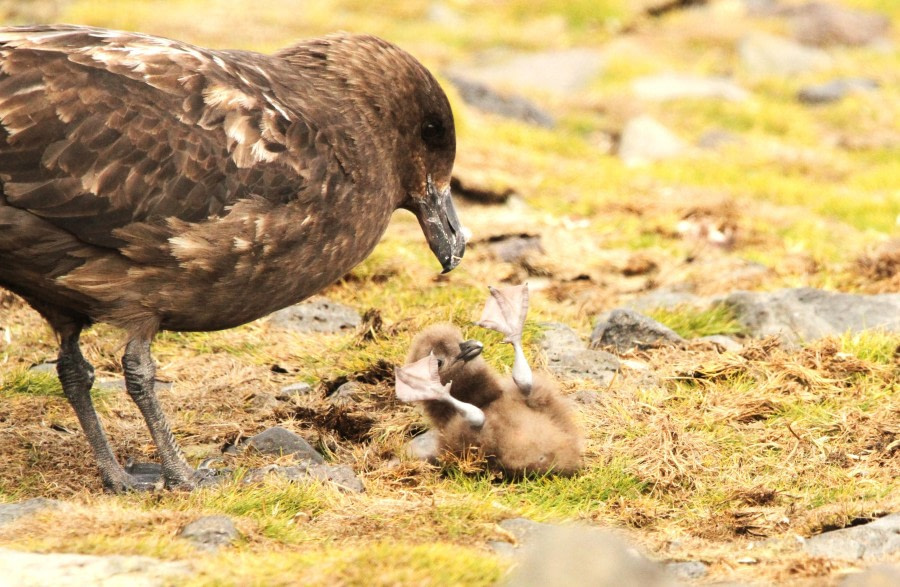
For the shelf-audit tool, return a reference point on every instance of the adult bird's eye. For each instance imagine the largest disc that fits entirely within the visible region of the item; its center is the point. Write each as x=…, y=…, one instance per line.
x=432, y=131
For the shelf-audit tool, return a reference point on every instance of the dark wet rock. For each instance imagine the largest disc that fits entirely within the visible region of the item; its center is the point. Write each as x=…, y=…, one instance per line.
x=835, y=90
x=293, y=390
x=559, y=71
x=424, y=447
x=341, y=476
x=476, y=187
x=876, y=576
x=625, y=329
x=210, y=532
x=877, y=539
x=824, y=24
x=578, y=556
x=280, y=441
x=687, y=570
x=146, y=474
x=28, y=569
x=483, y=98
x=765, y=54
x=805, y=314
x=645, y=140
x=512, y=248
x=316, y=315
x=10, y=512
x=672, y=86
x=569, y=357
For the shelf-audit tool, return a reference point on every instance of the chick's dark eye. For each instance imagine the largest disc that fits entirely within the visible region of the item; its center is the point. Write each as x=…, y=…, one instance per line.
x=432, y=131
x=440, y=363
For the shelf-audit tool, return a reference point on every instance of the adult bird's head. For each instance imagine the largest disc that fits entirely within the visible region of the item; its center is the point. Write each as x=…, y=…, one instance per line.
x=406, y=117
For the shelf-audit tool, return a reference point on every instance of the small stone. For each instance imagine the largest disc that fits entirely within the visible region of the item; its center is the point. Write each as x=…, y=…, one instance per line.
x=26, y=569
x=877, y=539
x=523, y=529
x=568, y=357
x=835, y=90
x=10, y=512
x=766, y=54
x=645, y=140
x=210, y=532
x=726, y=343
x=877, y=576
x=577, y=556
x=512, y=248
x=671, y=86
x=48, y=367
x=483, y=98
x=280, y=441
x=293, y=390
x=687, y=570
x=625, y=329
x=347, y=393
x=424, y=447
x=317, y=315
x=261, y=402
x=824, y=24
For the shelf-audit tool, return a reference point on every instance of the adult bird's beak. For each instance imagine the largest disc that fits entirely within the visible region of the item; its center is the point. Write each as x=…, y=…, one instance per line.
x=439, y=222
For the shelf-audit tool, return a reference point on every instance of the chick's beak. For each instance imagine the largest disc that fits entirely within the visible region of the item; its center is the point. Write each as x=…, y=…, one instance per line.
x=468, y=350
x=441, y=226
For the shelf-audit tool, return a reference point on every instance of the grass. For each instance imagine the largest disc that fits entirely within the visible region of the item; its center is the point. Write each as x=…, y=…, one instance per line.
x=716, y=452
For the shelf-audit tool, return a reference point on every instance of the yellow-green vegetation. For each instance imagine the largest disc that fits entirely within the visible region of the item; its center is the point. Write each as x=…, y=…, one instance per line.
x=715, y=451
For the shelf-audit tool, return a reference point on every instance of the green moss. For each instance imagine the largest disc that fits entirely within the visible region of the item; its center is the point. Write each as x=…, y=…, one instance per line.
x=692, y=322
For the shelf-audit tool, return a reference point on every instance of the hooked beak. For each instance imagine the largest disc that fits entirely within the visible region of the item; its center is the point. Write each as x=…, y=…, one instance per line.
x=439, y=222
x=468, y=350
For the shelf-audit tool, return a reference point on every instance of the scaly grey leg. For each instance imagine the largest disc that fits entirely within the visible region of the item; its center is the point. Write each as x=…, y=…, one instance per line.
x=139, y=373
x=77, y=377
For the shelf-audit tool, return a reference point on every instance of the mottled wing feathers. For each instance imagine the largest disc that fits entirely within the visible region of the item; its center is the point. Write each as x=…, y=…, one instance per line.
x=99, y=129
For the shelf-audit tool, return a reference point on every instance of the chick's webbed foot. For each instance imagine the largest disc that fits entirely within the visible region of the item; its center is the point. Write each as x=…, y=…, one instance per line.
x=420, y=381
x=505, y=312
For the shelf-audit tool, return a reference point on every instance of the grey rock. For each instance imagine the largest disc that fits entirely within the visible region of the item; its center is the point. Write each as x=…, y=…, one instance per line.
x=687, y=570
x=645, y=140
x=424, y=447
x=766, y=54
x=347, y=393
x=288, y=392
x=523, y=529
x=577, y=556
x=48, y=367
x=672, y=86
x=806, y=314
x=280, y=441
x=504, y=549
x=210, y=532
x=316, y=315
x=823, y=24
x=561, y=72
x=10, y=512
x=625, y=329
x=261, y=402
x=515, y=247
x=483, y=98
x=342, y=476
x=835, y=90
x=877, y=539
x=568, y=357
x=877, y=576
x=26, y=569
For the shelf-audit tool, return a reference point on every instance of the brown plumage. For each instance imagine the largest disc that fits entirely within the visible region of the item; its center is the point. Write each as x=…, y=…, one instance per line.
x=153, y=185
x=521, y=434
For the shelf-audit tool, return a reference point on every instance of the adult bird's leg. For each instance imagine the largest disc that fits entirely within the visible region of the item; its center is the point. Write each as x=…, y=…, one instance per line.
x=139, y=376
x=77, y=377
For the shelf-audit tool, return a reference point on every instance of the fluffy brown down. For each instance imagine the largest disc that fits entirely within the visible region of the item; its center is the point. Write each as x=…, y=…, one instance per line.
x=535, y=434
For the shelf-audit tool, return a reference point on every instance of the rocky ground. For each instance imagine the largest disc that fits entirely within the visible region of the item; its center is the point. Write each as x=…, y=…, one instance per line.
x=704, y=198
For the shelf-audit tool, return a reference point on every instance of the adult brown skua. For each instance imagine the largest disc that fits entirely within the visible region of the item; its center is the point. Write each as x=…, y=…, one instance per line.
x=473, y=408
x=156, y=185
